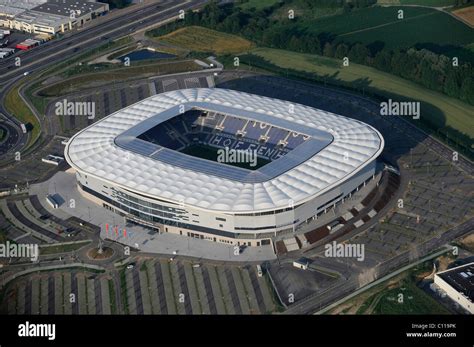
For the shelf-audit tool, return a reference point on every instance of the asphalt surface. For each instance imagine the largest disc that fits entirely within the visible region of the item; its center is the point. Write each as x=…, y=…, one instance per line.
x=16, y=138
x=57, y=50
x=75, y=43
x=11, y=138
x=318, y=301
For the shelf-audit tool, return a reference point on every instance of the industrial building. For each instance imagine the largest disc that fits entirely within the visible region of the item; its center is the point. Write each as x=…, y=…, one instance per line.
x=155, y=163
x=458, y=284
x=48, y=16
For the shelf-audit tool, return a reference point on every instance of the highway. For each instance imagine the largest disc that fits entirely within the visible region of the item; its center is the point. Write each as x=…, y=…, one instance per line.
x=58, y=50
x=76, y=42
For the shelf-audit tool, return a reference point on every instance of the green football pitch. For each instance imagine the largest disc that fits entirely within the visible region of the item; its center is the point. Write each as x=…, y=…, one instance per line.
x=211, y=153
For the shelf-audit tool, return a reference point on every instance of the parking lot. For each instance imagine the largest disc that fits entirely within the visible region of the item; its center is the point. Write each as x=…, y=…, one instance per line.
x=178, y=287
x=437, y=194
x=14, y=38
x=50, y=293
x=31, y=168
x=117, y=96
x=152, y=286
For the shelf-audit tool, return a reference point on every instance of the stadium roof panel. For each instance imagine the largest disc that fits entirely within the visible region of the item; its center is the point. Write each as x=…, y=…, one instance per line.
x=319, y=139
x=94, y=151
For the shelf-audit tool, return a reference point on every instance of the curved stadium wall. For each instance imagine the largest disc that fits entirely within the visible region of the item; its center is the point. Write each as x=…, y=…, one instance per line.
x=154, y=184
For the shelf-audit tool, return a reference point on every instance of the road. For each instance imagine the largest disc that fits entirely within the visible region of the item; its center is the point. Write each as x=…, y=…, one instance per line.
x=385, y=278
x=318, y=301
x=57, y=50
x=11, y=138
x=16, y=138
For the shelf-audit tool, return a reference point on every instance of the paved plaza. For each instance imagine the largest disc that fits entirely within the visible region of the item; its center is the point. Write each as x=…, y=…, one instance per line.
x=63, y=186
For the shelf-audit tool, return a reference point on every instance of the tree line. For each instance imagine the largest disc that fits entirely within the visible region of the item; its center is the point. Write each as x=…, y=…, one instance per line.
x=429, y=69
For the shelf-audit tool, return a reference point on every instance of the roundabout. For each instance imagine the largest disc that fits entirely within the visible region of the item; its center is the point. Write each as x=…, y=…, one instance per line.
x=100, y=252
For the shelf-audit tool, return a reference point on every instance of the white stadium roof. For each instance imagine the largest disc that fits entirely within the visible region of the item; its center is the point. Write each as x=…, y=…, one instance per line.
x=94, y=152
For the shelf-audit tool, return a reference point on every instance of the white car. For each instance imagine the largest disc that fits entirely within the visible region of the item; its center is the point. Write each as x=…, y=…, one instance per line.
x=130, y=266
x=26, y=73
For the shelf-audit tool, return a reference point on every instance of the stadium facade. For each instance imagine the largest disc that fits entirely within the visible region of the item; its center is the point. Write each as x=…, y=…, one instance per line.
x=155, y=162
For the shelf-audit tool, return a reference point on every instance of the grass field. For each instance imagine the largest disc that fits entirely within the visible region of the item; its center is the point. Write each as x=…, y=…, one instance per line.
x=432, y=3
x=62, y=248
x=384, y=297
x=415, y=301
x=199, y=39
x=443, y=110
x=419, y=26
x=120, y=74
x=17, y=107
x=306, y=13
x=210, y=153
x=40, y=102
x=258, y=4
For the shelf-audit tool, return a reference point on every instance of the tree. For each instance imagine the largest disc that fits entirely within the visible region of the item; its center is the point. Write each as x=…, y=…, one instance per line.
x=328, y=50
x=451, y=83
x=467, y=90
x=312, y=44
x=358, y=53
x=341, y=51
x=383, y=60
x=295, y=44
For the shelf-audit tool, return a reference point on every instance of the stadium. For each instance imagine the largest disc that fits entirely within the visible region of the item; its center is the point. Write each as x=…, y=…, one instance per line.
x=222, y=165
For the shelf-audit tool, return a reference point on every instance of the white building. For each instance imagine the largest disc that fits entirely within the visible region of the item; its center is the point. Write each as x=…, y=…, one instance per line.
x=133, y=162
x=458, y=284
x=49, y=17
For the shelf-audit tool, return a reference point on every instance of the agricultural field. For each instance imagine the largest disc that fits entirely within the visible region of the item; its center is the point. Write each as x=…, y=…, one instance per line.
x=305, y=13
x=257, y=4
x=442, y=110
x=466, y=14
x=419, y=26
x=434, y=3
x=199, y=39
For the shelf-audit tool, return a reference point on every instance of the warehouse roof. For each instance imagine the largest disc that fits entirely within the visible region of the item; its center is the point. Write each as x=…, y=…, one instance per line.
x=66, y=7
x=16, y=7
